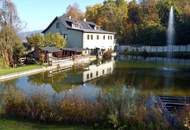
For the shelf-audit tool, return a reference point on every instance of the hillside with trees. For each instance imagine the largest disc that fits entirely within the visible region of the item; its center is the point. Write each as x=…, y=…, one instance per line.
x=142, y=23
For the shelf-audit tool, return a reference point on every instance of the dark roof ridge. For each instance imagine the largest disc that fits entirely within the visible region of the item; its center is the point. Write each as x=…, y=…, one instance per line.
x=77, y=20
x=84, y=26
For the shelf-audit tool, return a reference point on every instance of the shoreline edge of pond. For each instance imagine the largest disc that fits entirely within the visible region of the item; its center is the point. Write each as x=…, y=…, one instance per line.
x=65, y=66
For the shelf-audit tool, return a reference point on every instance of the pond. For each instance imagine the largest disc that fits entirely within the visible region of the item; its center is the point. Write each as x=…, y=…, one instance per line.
x=145, y=78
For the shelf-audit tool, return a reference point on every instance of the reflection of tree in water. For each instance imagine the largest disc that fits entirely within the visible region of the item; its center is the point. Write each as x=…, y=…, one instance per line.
x=59, y=82
x=9, y=83
x=130, y=77
x=43, y=78
x=145, y=79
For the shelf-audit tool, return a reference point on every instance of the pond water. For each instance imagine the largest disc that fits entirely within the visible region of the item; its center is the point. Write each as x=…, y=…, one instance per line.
x=137, y=80
x=148, y=78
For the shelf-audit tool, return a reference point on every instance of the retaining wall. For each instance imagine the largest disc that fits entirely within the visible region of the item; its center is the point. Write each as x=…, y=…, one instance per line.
x=173, y=48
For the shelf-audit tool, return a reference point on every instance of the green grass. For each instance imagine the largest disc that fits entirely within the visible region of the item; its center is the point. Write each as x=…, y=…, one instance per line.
x=12, y=124
x=6, y=71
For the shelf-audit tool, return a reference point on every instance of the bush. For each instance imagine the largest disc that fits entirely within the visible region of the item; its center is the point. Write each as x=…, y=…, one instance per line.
x=184, y=115
x=107, y=55
x=78, y=110
x=118, y=112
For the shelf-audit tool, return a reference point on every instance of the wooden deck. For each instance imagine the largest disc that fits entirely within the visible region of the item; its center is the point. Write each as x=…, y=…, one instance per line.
x=170, y=106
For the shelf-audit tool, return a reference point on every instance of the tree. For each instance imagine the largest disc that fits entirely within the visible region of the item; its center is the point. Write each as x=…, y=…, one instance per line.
x=55, y=39
x=109, y=16
x=36, y=40
x=50, y=39
x=142, y=23
x=92, y=13
x=74, y=12
x=150, y=13
x=133, y=22
x=8, y=16
x=10, y=45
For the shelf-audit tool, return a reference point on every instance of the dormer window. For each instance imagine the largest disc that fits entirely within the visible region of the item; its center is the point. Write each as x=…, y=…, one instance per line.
x=76, y=25
x=93, y=26
x=57, y=25
x=69, y=23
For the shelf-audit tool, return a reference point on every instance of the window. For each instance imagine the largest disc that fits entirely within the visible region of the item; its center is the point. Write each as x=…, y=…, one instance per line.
x=88, y=37
x=102, y=71
x=87, y=76
x=104, y=37
x=91, y=37
x=109, y=37
x=57, y=25
x=91, y=75
x=96, y=73
x=97, y=37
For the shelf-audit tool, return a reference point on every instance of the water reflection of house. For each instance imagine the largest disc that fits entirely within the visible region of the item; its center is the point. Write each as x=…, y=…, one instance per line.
x=96, y=71
x=92, y=72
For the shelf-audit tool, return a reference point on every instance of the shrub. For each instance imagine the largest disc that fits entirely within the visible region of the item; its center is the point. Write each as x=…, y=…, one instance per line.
x=119, y=112
x=36, y=108
x=107, y=55
x=184, y=115
x=76, y=109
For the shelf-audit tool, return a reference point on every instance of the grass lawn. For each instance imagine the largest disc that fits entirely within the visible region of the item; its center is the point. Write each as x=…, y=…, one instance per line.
x=11, y=124
x=4, y=71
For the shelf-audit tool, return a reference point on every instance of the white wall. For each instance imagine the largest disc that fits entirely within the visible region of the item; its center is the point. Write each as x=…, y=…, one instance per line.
x=174, y=48
x=101, y=43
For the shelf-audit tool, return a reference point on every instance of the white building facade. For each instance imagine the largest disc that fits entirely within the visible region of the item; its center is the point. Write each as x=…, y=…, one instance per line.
x=82, y=34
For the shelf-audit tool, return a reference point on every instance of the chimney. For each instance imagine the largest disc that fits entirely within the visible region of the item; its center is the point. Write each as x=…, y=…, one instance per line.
x=84, y=19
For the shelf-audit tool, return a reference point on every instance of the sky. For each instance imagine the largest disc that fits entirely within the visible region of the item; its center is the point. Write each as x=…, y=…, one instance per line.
x=38, y=14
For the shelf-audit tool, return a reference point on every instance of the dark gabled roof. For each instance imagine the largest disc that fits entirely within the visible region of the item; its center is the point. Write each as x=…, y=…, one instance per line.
x=83, y=26
x=74, y=49
x=55, y=19
x=50, y=49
